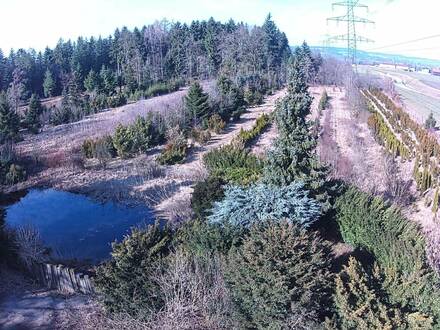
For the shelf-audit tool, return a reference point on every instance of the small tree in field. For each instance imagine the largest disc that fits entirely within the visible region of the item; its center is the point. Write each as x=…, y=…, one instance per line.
x=197, y=104
x=430, y=122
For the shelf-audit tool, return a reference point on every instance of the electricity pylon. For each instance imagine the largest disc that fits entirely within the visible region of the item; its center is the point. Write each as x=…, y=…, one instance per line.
x=351, y=19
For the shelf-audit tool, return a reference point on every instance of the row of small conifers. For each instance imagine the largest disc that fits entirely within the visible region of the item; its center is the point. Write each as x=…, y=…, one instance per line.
x=405, y=138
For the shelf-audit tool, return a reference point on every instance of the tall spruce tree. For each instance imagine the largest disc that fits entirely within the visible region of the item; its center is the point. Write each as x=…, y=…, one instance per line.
x=32, y=116
x=197, y=105
x=9, y=120
x=49, y=84
x=293, y=157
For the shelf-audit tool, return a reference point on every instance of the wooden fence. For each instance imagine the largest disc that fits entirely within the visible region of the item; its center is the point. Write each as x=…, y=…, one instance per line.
x=63, y=279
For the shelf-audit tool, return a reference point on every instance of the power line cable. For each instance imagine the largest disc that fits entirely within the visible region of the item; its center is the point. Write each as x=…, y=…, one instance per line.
x=405, y=42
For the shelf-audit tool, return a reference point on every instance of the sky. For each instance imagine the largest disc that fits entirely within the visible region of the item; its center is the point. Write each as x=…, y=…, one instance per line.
x=40, y=23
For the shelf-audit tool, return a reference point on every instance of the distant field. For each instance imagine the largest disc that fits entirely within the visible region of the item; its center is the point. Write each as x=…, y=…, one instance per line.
x=420, y=93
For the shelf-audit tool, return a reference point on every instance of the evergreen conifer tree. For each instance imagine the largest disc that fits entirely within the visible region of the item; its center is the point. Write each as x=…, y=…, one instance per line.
x=430, y=122
x=9, y=120
x=48, y=84
x=197, y=105
x=280, y=272
x=32, y=117
x=293, y=156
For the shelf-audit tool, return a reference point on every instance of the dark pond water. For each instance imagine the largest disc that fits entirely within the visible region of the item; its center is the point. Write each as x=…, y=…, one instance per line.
x=73, y=225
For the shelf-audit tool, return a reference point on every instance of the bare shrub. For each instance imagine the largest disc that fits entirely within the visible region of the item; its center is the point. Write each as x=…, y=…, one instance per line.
x=150, y=170
x=178, y=209
x=29, y=245
x=194, y=292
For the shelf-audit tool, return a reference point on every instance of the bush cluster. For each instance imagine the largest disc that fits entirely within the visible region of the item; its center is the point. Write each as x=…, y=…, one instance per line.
x=138, y=137
x=175, y=150
x=396, y=244
x=247, y=137
x=233, y=164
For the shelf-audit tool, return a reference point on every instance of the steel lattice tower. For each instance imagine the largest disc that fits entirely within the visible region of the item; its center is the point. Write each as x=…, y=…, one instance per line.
x=351, y=19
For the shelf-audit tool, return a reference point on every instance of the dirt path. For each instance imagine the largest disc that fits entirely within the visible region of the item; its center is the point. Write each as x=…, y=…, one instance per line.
x=350, y=147
x=186, y=174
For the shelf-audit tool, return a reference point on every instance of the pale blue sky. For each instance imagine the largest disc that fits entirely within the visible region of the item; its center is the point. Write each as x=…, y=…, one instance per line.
x=37, y=23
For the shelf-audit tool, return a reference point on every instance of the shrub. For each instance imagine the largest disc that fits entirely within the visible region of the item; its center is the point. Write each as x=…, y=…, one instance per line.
x=361, y=303
x=244, y=206
x=194, y=293
x=138, y=137
x=235, y=165
x=142, y=135
x=323, y=101
x=247, y=137
x=125, y=282
x=176, y=148
x=15, y=174
x=123, y=141
x=216, y=123
x=172, y=154
x=201, y=136
x=61, y=115
x=253, y=97
x=87, y=148
x=396, y=244
x=279, y=273
x=104, y=150
x=201, y=237
x=205, y=194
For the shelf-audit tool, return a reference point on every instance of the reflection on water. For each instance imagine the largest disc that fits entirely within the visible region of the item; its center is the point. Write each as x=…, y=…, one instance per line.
x=74, y=225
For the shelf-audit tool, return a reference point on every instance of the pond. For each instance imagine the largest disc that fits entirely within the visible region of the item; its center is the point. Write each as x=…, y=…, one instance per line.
x=73, y=225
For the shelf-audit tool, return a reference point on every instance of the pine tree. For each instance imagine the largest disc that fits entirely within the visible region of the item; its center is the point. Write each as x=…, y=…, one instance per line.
x=48, y=84
x=92, y=83
x=9, y=120
x=279, y=272
x=304, y=56
x=108, y=80
x=32, y=116
x=197, y=105
x=293, y=156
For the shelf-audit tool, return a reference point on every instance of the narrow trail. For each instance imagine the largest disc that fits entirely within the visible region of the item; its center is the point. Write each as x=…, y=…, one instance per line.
x=184, y=175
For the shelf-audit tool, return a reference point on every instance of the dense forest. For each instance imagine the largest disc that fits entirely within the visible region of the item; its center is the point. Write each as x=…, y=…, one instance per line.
x=134, y=61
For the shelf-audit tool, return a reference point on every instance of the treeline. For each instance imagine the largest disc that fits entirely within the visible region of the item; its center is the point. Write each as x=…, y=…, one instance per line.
x=149, y=60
